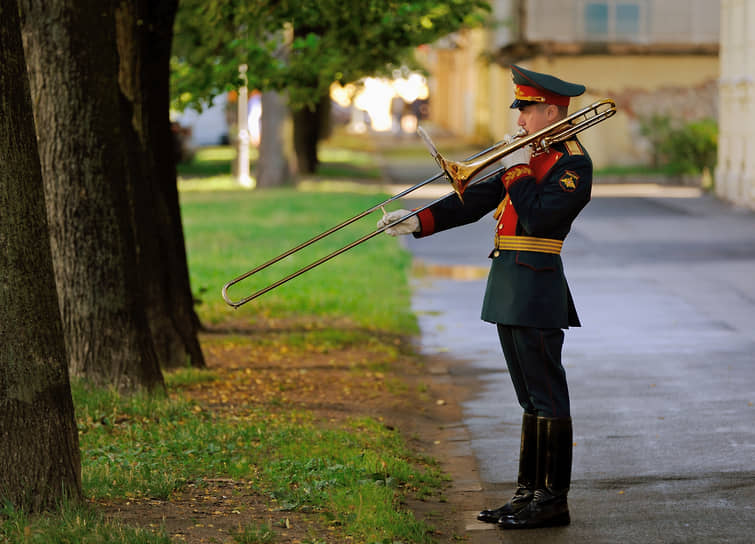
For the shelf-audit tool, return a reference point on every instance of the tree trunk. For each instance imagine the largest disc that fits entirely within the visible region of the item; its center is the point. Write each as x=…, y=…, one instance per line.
x=272, y=167
x=73, y=70
x=39, y=441
x=305, y=140
x=144, y=31
x=310, y=126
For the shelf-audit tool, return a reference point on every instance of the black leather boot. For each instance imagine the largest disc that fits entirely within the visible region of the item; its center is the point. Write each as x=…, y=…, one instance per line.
x=548, y=507
x=527, y=474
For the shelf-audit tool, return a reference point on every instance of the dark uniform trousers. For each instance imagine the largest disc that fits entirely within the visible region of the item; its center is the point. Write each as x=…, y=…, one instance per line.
x=533, y=357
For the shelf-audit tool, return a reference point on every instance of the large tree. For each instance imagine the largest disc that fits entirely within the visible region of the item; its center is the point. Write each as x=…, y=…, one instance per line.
x=328, y=41
x=78, y=108
x=144, y=30
x=39, y=447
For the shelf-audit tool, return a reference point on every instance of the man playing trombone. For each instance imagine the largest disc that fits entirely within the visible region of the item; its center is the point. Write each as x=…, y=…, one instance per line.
x=536, y=199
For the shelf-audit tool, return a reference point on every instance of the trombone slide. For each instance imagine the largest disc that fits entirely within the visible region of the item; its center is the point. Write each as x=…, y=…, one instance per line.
x=459, y=174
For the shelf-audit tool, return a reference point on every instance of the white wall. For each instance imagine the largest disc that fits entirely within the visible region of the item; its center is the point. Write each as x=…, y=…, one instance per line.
x=208, y=127
x=735, y=172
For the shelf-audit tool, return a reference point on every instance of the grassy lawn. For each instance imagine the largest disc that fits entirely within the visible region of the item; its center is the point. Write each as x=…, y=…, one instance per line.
x=230, y=232
x=340, y=157
x=283, y=436
x=211, y=161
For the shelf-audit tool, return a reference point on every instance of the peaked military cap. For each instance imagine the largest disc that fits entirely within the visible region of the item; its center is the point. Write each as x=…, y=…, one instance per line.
x=532, y=87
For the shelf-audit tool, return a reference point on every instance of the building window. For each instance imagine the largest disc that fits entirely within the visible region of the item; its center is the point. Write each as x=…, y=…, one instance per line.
x=596, y=18
x=627, y=19
x=612, y=20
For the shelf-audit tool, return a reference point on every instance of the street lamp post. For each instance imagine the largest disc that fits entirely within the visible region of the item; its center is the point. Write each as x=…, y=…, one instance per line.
x=243, y=176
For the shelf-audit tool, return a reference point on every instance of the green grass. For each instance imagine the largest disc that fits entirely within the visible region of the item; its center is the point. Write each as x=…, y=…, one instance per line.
x=141, y=446
x=315, y=340
x=189, y=376
x=337, y=161
x=255, y=534
x=336, y=171
x=211, y=161
x=147, y=447
x=230, y=232
x=340, y=162
x=78, y=524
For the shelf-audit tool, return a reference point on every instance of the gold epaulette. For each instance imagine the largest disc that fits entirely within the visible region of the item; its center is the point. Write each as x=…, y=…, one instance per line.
x=573, y=147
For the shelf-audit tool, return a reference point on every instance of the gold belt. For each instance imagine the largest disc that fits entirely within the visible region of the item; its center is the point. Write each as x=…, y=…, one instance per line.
x=529, y=243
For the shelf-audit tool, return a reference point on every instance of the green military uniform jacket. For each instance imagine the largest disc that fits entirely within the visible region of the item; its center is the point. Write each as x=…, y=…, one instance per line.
x=537, y=203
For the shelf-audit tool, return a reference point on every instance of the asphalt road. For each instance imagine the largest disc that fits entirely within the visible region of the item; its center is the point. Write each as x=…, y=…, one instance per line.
x=661, y=374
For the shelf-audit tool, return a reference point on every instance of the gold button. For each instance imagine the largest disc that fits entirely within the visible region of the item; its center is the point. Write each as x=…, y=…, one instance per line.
x=496, y=253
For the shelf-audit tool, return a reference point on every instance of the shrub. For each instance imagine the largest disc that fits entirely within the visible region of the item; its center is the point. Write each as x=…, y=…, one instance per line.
x=685, y=148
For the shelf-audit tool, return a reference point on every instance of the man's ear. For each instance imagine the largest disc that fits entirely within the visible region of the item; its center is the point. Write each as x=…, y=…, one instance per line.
x=551, y=113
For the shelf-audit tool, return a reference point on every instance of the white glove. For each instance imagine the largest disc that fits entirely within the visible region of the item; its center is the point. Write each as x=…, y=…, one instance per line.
x=405, y=227
x=520, y=156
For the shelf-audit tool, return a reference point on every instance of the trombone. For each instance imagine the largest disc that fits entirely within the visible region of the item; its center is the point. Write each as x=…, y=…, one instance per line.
x=459, y=173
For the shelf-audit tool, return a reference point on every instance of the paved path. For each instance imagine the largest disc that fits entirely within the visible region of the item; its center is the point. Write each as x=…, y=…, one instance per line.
x=662, y=373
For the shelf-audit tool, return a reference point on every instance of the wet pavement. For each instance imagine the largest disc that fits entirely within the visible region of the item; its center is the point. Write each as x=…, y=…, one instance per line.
x=661, y=374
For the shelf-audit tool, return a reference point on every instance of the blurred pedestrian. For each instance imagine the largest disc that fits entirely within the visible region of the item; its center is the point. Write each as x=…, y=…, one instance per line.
x=527, y=296
x=420, y=109
x=254, y=118
x=397, y=112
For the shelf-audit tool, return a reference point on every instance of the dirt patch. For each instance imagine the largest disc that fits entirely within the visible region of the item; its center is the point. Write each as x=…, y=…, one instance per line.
x=334, y=385
x=219, y=510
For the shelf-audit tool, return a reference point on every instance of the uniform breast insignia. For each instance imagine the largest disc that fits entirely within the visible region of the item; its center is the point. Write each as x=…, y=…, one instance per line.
x=568, y=181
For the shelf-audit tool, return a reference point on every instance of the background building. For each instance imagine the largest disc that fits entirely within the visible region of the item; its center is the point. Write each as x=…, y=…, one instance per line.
x=735, y=172
x=651, y=56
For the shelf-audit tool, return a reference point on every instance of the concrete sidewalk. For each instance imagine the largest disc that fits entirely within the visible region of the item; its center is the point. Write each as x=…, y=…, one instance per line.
x=662, y=372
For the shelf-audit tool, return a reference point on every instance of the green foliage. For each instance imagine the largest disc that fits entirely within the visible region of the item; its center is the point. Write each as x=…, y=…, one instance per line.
x=687, y=148
x=302, y=46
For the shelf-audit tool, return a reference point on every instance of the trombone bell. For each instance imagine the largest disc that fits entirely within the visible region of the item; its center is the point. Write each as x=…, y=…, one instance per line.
x=460, y=173
x=451, y=169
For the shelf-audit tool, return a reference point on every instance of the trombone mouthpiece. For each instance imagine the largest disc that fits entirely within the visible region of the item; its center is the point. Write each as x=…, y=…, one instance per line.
x=521, y=132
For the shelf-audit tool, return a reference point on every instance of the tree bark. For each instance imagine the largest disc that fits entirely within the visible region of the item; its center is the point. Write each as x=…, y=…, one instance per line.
x=310, y=126
x=39, y=443
x=144, y=31
x=272, y=167
x=73, y=71
x=305, y=140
